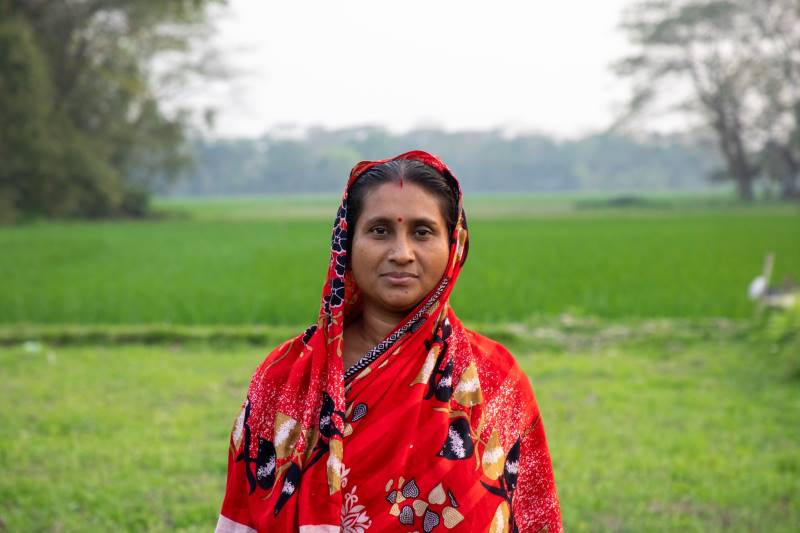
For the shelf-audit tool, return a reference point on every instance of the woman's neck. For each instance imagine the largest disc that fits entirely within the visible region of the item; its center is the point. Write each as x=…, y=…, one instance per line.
x=376, y=324
x=367, y=331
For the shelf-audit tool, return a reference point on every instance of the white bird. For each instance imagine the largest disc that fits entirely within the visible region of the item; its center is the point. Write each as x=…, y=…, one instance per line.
x=758, y=287
x=783, y=297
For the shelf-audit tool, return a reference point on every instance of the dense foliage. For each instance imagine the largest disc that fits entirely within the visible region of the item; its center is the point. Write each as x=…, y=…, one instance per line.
x=82, y=130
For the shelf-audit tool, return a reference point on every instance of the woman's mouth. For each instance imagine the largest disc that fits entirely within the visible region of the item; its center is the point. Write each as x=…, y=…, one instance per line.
x=399, y=277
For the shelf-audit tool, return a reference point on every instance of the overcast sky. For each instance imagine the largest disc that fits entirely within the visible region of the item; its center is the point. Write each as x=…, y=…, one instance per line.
x=520, y=65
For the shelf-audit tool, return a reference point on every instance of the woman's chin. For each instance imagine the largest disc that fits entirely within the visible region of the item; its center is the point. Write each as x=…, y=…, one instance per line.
x=401, y=303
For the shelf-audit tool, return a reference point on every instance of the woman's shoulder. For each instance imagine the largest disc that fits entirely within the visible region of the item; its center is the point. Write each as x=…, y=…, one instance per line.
x=280, y=359
x=492, y=352
x=509, y=398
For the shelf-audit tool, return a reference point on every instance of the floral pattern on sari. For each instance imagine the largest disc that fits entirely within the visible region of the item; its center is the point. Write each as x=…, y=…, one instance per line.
x=354, y=515
x=439, y=507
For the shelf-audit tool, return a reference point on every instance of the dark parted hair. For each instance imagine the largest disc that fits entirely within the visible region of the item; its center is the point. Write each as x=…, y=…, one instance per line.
x=408, y=170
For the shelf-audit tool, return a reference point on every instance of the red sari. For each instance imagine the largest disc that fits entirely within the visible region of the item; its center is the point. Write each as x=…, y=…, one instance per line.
x=434, y=429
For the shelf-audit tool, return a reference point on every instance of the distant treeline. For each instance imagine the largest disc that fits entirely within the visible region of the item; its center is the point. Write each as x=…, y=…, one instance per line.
x=484, y=161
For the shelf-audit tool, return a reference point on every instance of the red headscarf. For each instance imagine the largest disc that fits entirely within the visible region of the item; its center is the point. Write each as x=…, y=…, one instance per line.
x=435, y=428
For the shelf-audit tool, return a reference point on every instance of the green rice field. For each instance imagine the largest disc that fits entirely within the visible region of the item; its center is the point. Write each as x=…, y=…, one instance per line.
x=262, y=261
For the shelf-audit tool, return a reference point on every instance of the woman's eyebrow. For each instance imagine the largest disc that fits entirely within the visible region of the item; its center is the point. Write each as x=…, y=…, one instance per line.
x=424, y=221
x=376, y=220
x=380, y=219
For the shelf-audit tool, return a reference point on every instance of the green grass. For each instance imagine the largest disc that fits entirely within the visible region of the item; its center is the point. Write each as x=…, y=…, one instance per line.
x=262, y=261
x=696, y=431
x=698, y=437
x=132, y=439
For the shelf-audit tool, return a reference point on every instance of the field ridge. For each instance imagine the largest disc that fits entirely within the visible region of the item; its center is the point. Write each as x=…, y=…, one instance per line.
x=564, y=332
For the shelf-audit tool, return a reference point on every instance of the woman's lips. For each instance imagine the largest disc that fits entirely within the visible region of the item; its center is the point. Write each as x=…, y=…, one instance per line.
x=399, y=278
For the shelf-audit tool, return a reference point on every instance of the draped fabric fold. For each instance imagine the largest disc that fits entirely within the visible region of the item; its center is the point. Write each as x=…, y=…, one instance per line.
x=436, y=428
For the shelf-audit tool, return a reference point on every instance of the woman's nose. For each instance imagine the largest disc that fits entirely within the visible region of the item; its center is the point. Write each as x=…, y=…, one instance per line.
x=401, y=251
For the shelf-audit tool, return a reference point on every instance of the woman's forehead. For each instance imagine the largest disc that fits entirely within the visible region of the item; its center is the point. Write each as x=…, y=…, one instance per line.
x=406, y=200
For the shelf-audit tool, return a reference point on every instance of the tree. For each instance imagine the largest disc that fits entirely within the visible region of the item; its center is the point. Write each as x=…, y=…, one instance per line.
x=775, y=52
x=80, y=118
x=27, y=147
x=736, y=58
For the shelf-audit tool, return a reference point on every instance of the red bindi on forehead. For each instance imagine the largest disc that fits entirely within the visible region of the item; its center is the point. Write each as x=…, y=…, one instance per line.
x=399, y=219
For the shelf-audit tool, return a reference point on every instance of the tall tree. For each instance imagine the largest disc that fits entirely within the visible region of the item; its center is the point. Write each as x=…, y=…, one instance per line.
x=27, y=144
x=735, y=59
x=774, y=47
x=79, y=112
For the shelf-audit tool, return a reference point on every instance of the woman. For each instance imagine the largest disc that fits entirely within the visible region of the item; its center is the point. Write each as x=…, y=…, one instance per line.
x=388, y=414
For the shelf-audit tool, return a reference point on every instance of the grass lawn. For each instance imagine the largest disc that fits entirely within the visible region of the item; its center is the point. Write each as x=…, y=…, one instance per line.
x=699, y=433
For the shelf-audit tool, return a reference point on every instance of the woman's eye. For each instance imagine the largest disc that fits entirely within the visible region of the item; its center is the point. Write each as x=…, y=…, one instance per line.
x=378, y=230
x=423, y=232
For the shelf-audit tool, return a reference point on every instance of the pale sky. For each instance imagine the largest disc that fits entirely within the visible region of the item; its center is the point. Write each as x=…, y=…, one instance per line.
x=520, y=65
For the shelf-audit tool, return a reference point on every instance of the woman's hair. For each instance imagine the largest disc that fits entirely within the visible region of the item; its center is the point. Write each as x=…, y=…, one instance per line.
x=410, y=171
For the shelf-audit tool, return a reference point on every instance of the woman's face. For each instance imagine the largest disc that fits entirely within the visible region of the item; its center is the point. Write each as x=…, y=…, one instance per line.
x=400, y=246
